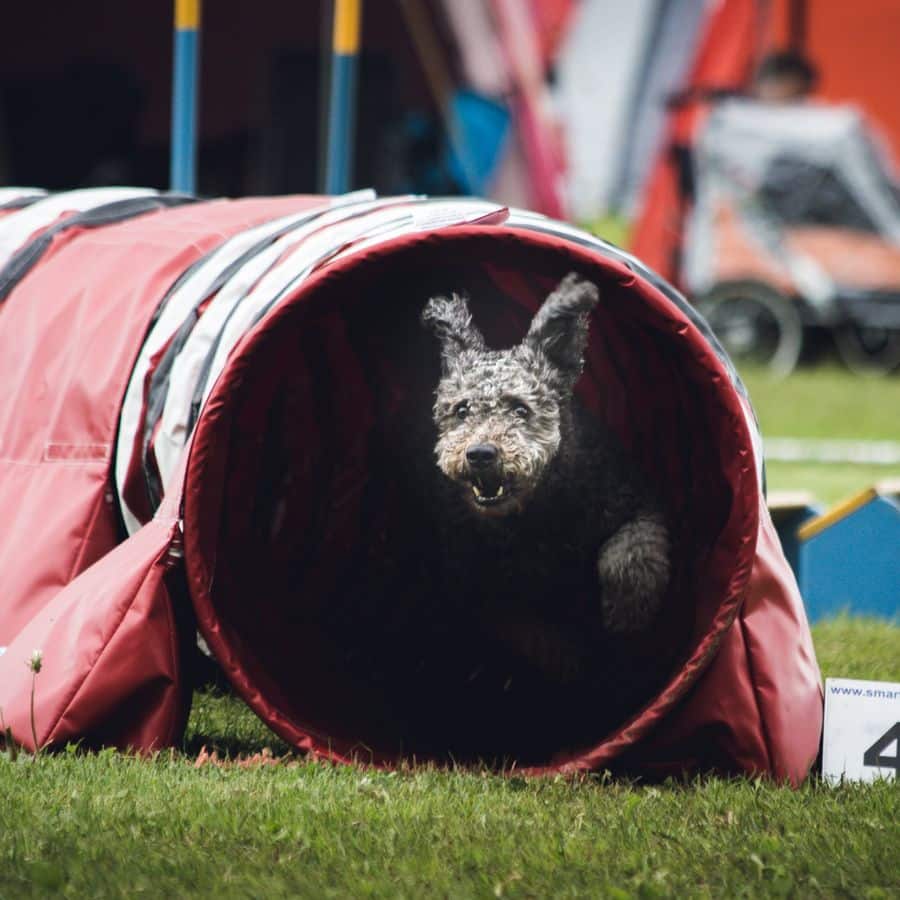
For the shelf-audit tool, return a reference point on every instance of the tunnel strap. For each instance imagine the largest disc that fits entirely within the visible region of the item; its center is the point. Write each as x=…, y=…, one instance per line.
x=18, y=227
x=30, y=254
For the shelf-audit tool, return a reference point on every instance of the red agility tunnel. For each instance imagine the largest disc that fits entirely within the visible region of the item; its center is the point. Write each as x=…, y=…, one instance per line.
x=210, y=415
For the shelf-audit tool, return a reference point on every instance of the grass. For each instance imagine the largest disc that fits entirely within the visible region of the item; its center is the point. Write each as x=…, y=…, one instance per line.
x=826, y=401
x=858, y=648
x=828, y=483
x=611, y=228
x=108, y=825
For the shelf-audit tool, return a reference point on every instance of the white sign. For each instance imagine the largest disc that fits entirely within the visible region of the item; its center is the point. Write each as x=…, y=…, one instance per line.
x=862, y=730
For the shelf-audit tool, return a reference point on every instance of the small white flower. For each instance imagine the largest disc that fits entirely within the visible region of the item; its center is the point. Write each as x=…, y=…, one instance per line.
x=36, y=661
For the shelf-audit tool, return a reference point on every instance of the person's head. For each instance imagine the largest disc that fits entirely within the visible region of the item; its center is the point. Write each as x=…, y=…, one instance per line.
x=784, y=76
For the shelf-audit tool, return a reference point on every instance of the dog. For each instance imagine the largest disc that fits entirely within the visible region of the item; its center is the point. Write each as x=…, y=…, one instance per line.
x=536, y=499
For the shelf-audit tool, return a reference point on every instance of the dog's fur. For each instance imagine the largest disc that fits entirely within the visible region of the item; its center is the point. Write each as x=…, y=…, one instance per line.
x=536, y=500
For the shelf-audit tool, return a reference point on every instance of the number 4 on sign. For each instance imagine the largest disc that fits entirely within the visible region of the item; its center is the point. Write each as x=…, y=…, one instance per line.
x=862, y=730
x=875, y=755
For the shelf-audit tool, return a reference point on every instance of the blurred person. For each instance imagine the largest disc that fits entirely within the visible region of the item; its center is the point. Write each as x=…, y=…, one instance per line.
x=784, y=76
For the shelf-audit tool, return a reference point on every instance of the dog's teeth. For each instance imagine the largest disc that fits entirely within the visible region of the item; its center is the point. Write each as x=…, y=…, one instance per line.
x=500, y=491
x=476, y=490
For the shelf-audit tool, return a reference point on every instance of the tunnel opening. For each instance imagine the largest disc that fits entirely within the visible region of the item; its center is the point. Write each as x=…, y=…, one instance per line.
x=311, y=546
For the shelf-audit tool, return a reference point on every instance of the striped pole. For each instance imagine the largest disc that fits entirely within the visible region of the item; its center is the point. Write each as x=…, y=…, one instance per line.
x=345, y=46
x=183, y=163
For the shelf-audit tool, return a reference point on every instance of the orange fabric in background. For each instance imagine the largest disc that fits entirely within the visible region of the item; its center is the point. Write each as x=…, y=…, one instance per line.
x=855, y=46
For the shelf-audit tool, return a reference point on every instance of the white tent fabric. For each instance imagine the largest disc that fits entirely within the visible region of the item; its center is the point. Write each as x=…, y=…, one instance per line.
x=666, y=63
x=598, y=69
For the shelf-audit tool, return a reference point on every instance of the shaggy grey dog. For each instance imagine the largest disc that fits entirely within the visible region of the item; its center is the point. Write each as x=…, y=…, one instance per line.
x=537, y=500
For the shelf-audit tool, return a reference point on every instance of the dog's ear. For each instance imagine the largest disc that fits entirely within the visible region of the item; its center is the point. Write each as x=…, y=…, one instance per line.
x=450, y=320
x=559, y=329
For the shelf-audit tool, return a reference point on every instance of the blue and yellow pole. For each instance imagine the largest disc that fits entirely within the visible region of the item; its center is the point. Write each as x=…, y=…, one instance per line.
x=183, y=163
x=345, y=47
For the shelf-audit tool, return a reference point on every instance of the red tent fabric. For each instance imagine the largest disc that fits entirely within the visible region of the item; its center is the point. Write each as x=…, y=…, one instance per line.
x=282, y=505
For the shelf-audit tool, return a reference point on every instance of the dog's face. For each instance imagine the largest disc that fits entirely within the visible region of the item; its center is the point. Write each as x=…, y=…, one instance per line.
x=498, y=412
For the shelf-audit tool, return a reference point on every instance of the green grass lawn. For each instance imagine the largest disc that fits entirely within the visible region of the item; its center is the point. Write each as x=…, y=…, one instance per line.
x=109, y=825
x=826, y=401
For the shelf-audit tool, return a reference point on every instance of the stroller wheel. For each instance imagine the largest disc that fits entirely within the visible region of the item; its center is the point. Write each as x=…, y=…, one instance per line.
x=756, y=324
x=868, y=350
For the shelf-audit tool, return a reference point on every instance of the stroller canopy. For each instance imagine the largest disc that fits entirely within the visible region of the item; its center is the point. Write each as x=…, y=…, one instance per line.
x=778, y=166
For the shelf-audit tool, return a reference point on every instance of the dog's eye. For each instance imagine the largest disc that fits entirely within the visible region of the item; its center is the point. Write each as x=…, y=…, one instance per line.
x=521, y=411
x=462, y=410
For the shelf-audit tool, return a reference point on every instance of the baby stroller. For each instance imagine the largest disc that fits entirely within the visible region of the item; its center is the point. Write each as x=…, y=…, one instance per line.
x=795, y=226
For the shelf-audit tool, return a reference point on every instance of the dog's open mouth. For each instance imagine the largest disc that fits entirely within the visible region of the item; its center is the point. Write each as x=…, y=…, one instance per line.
x=488, y=489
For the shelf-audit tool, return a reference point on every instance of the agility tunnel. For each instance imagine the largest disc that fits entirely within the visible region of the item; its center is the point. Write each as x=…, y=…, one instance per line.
x=211, y=418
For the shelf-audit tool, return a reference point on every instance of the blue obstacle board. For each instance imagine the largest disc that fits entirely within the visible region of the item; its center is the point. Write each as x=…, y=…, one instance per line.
x=849, y=559
x=789, y=511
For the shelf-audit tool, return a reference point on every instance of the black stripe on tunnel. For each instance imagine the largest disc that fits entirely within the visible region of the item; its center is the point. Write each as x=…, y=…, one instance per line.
x=26, y=257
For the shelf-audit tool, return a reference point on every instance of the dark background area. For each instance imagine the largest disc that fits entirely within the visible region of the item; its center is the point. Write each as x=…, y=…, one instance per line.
x=85, y=97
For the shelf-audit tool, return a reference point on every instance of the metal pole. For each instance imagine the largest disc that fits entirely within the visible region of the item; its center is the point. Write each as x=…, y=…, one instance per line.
x=345, y=47
x=183, y=163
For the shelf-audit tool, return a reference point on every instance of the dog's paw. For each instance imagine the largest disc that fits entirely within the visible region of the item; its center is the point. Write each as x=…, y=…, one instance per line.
x=633, y=568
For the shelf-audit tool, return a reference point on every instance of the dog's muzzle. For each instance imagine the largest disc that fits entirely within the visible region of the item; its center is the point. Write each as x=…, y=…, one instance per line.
x=485, y=474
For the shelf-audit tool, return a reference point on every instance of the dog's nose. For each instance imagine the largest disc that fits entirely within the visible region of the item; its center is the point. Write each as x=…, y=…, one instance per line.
x=480, y=455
